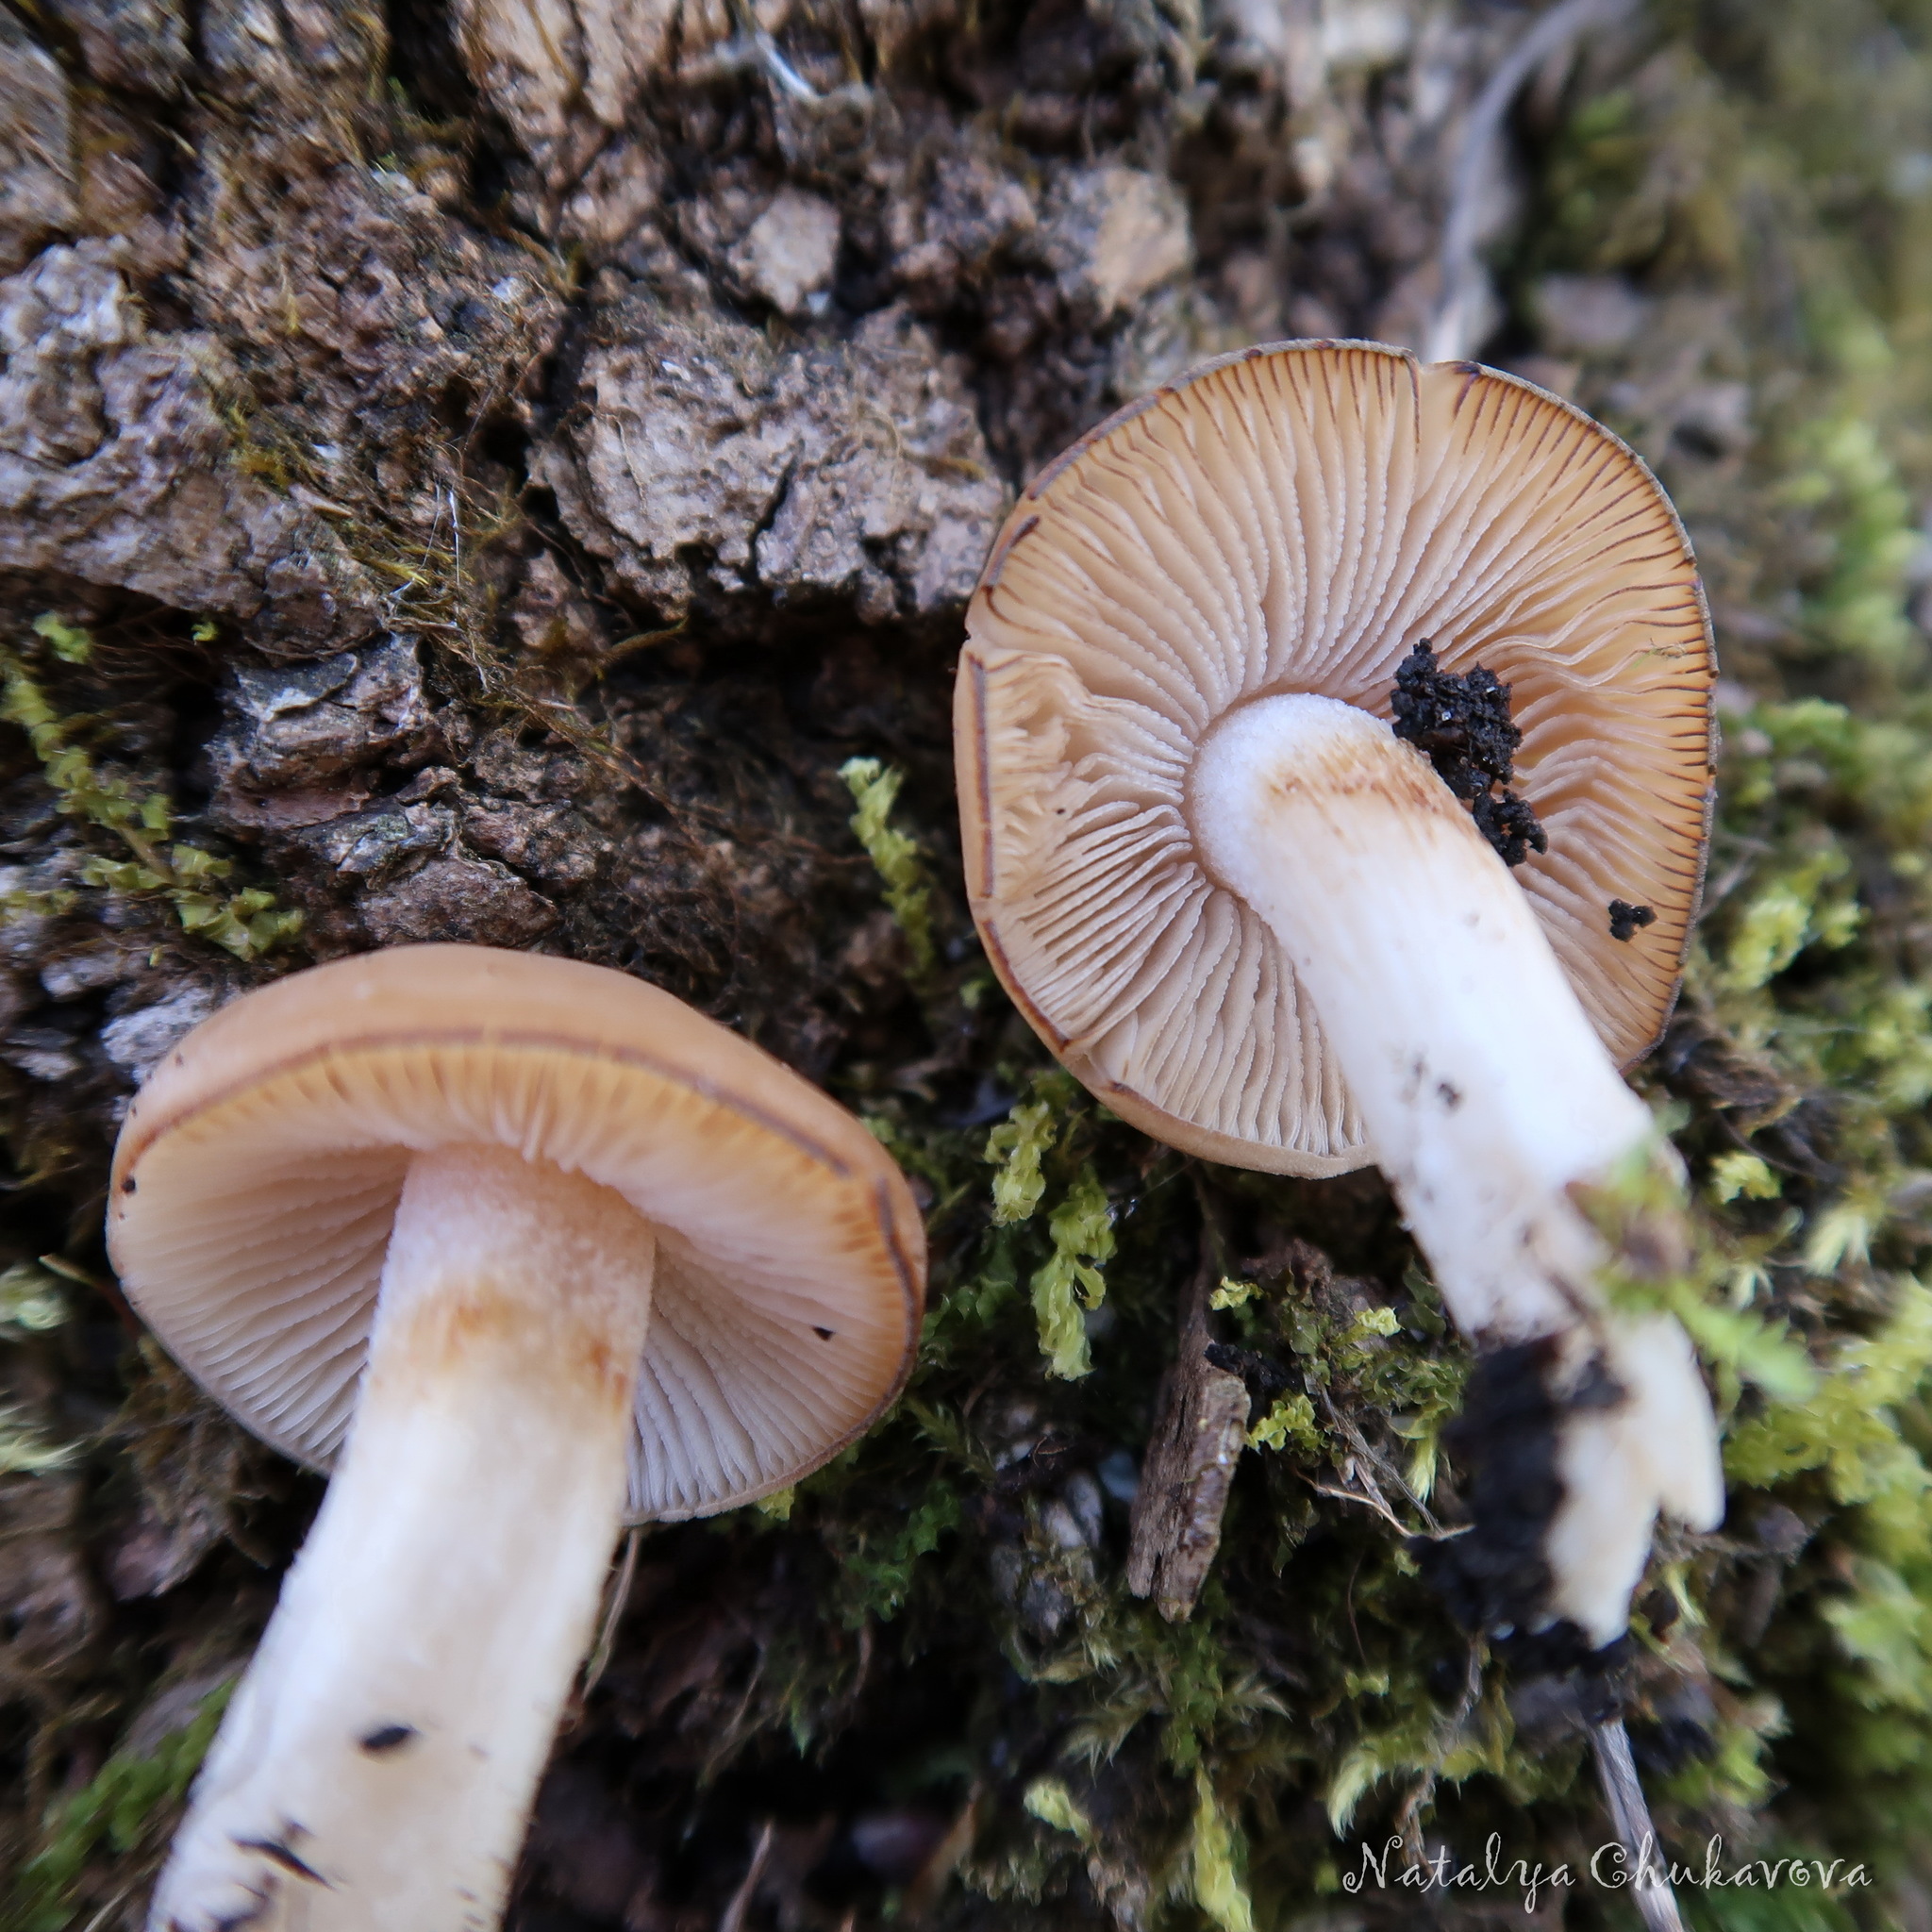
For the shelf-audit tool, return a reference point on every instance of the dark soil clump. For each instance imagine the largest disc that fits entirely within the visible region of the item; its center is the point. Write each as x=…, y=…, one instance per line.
x=1462, y=725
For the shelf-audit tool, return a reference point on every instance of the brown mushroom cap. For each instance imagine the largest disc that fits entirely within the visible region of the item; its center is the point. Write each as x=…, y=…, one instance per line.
x=1296, y=519
x=258, y=1169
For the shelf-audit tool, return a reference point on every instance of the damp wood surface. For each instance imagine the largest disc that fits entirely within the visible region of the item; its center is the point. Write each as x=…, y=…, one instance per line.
x=518, y=476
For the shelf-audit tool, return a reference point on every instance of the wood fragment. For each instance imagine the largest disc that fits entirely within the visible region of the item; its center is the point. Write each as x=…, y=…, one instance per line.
x=1200, y=1427
x=741, y=1899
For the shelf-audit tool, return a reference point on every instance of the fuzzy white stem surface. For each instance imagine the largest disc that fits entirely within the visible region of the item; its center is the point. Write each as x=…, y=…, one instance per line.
x=1484, y=1087
x=377, y=1768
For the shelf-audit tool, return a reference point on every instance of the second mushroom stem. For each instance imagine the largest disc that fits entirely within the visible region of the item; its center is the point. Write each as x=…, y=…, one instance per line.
x=377, y=1766
x=1486, y=1094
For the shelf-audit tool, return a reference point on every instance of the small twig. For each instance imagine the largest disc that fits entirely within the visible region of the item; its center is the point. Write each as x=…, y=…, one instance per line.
x=1465, y=280
x=734, y=1913
x=613, y=1612
x=1200, y=1429
x=929, y=1882
x=68, y=1271
x=108, y=1911
x=1369, y=1500
x=1409, y=1819
x=637, y=640
x=1372, y=1499
x=753, y=46
x=1616, y=1772
x=1374, y=1462
x=867, y=408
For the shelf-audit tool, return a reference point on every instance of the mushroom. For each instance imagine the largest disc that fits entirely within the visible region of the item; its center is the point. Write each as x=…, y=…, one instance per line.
x=1261, y=927
x=519, y=1248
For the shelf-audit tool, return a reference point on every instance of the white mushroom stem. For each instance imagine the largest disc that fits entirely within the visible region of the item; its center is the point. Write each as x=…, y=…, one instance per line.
x=1486, y=1093
x=375, y=1769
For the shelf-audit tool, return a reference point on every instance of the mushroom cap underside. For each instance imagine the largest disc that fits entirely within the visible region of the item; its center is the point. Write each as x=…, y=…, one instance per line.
x=257, y=1173
x=1296, y=519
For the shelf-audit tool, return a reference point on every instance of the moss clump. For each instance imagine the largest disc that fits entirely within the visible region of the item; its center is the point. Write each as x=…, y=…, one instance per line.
x=126, y=1812
x=246, y=924
x=1016, y=1147
x=894, y=853
x=1069, y=1285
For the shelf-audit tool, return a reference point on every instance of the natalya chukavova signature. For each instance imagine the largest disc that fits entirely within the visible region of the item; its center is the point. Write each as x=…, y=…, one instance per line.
x=1613, y=1866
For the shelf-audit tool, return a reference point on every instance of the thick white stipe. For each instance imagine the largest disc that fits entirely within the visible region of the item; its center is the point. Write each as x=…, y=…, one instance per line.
x=378, y=1762
x=1483, y=1084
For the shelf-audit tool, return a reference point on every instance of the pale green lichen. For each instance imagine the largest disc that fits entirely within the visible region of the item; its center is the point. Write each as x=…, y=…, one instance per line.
x=1016, y=1147
x=894, y=853
x=26, y=1449
x=1070, y=1283
x=1292, y=1419
x=32, y=1302
x=1218, y=1888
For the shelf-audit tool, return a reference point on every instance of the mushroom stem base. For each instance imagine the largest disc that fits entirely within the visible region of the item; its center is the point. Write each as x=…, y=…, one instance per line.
x=1486, y=1096
x=378, y=1765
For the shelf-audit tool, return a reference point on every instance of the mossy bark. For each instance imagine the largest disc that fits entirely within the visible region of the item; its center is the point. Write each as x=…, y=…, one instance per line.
x=490, y=482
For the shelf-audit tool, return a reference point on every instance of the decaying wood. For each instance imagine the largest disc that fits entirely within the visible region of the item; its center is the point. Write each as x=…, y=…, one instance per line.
x=1200, y=1425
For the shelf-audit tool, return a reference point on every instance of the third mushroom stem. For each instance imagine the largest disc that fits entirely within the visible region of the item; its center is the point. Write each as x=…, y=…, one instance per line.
x=1487, y=1097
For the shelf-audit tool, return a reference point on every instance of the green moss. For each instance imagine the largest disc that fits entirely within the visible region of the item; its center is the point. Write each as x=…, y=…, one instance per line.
x=246, y=924
x=1218, y=1888
x=1738, y=1173
x=122, y=1811
x=1016, y=1147
x=1049, y=1800
x=70, y=642
x=1292, y=1419
x=1069, y=1284
x=1736, y=172
x=1846, y=481
x=1784, y=1910
x=1665, y=1260
x=878, y=1564
x=894, y=853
